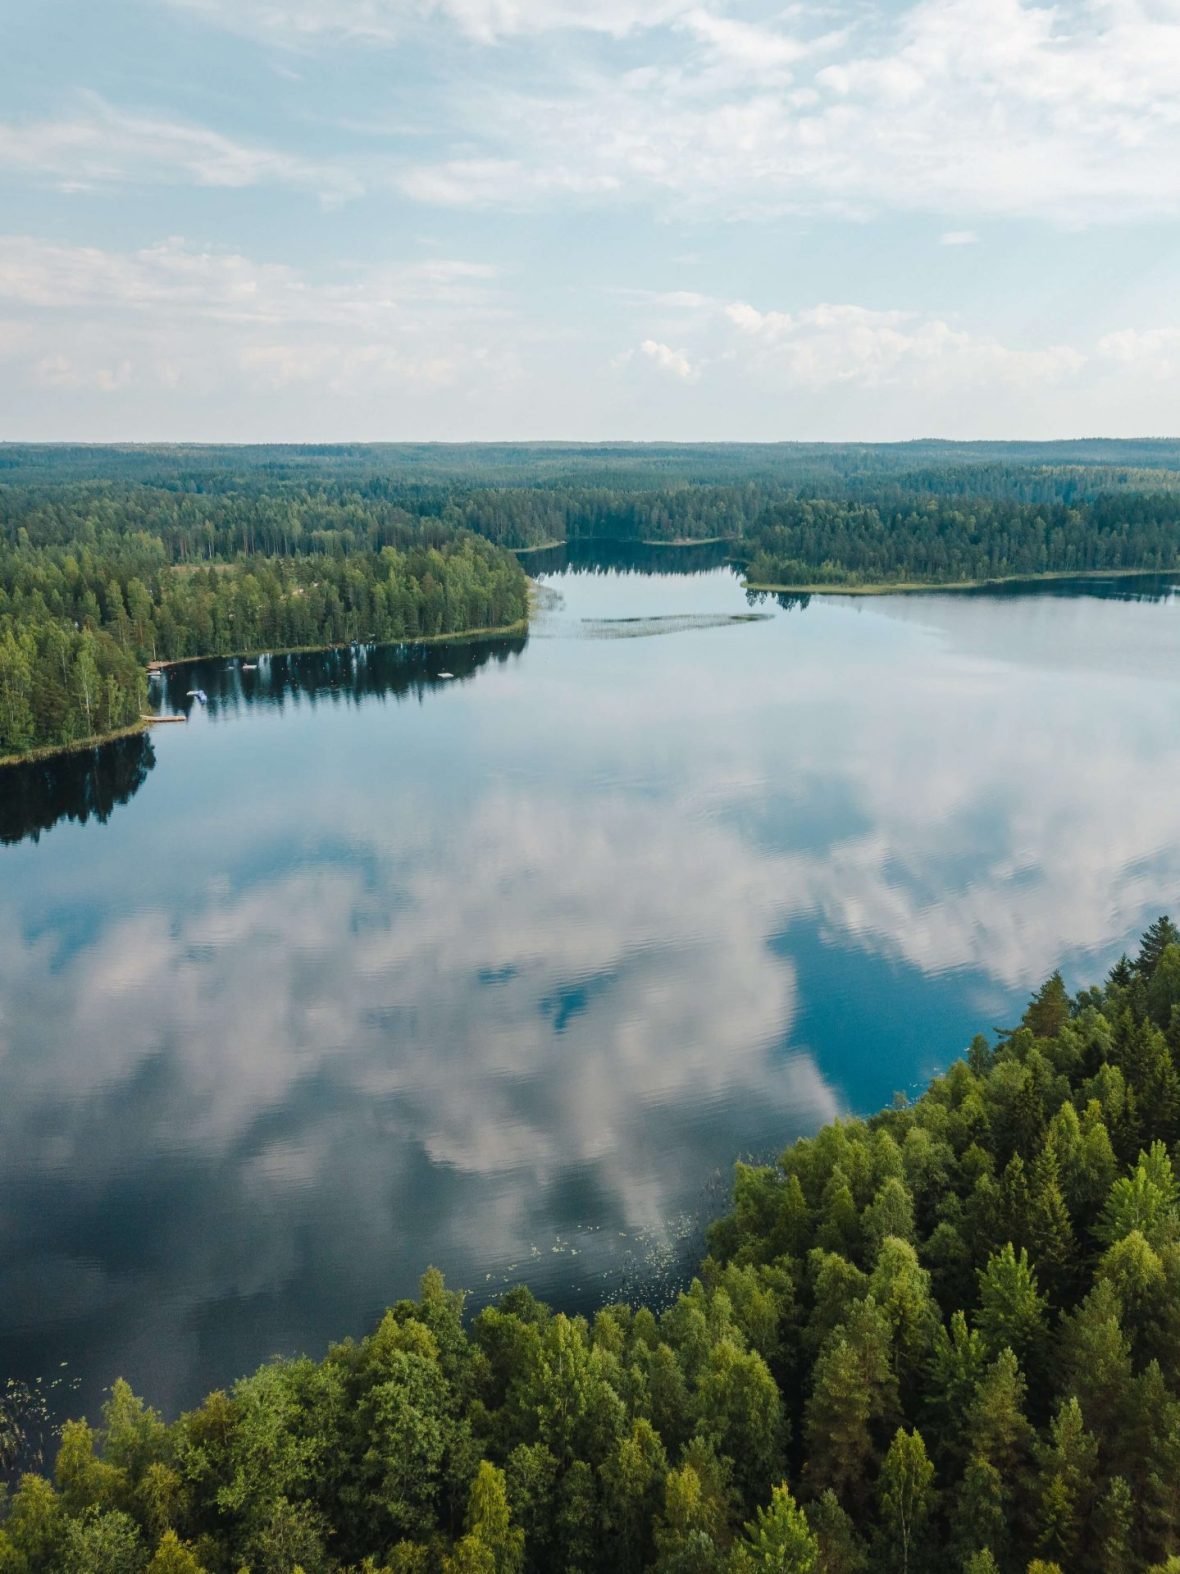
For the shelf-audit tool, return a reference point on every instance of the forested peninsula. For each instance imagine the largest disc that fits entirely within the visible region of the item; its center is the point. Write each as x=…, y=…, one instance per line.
x=947, y=1337
x=114, y=557
x=93, y=588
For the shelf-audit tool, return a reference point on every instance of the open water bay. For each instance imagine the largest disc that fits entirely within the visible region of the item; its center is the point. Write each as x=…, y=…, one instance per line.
x=497, y=955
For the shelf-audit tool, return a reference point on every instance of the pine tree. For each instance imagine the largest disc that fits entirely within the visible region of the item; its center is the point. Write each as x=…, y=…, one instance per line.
x=839, y=1433
x=1015, y=1203
x=891, y=1212
x=1069, y=1467
x=957, y=1363
x=1122, y=974
x=1163, y=996
x=901, y=1288
x=1048, y=1010
x=1096, y=1362
x=841, y=1550
x=997, y=1424
x=1051, y=1235
x=855, y=1393
x=1137, y=1276
x=1011, y=1307
x=840, y=1229
x=1114, y=1519
x=981, y=1519
x=1158, y=937
x=778, y=1540
x=1145, y=1200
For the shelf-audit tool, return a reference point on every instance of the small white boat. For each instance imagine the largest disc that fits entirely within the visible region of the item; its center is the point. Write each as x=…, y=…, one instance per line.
x=446, y=674
x=199, y=695
x=249, y=666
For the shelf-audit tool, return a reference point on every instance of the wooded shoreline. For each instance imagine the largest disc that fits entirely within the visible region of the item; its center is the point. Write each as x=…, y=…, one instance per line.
x=83, y=745
x=912, y=587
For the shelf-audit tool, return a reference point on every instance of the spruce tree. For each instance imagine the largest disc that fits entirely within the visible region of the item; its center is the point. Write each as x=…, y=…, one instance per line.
x=1048, y=1010
x=1158, y=937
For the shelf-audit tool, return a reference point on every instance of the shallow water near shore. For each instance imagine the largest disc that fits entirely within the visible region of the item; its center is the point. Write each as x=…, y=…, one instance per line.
x=496, y=955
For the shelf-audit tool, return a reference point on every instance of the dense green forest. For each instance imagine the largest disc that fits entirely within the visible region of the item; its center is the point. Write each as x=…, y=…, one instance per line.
x=933, y=539
x=111, y=557
x=93, y=587
x=947, y=1337
x=206, y=466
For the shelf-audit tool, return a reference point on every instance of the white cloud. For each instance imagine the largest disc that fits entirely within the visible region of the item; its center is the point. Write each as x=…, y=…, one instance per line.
x=843, y=343
x=972, y=107
x=498, y=182
x=962, y=108
x=669, y=360
x=187, y=322
x=958, y=238
x=749, y=49
x=1154, y=352
x=172, y=315
x=325, y=976
x=225, y=284
x=293, y=22
x=287, y=1014
x=58, y=371
x=100, y=145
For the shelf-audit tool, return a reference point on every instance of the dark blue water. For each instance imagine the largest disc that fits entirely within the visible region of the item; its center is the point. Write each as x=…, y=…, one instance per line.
x=496, y=956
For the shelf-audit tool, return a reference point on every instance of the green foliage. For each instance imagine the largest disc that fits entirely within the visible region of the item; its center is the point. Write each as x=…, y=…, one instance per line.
x=104, y=1543
x=90, y=593
x=1156, y=940
x=905, y=1494
x=777, y=1539
x=955, y=1328
x=1048, y=1012
x=111, y=558
x=1144, y=1201
x=1012, y=1313
x=173, y=1557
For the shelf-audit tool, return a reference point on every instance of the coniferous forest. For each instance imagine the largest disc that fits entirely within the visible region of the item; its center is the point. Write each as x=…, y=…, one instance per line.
x=947, y=1337
x=110, y=558
x=89, y=594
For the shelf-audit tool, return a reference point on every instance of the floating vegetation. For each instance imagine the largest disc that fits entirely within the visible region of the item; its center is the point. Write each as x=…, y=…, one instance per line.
x=29, y=1424
x=670, y=623
x=649, y=1265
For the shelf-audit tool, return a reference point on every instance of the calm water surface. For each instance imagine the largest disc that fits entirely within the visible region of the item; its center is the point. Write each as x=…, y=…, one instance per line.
x=370, y=966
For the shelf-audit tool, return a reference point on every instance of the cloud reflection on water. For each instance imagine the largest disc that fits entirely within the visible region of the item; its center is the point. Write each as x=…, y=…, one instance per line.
x=500, y=974
x=545, y=1053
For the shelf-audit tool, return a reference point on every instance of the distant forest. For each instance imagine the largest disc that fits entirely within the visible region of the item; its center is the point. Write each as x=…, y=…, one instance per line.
x=111, y=557
x=943, y=1339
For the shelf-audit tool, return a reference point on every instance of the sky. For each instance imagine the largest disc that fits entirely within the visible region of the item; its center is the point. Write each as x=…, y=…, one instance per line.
x=349, y=220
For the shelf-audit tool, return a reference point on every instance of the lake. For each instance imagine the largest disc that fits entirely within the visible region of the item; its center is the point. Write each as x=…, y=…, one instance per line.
x=496, y=955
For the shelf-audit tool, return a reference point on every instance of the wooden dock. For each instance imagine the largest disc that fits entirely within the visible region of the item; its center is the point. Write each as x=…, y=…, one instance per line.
x=161, y=721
